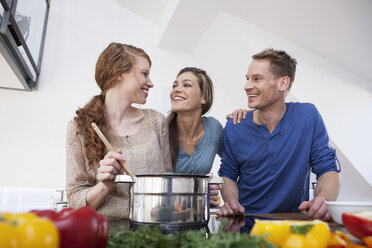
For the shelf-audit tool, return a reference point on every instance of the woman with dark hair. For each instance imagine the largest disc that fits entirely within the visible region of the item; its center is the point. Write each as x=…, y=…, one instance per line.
x=139, y=135
x=194, y=139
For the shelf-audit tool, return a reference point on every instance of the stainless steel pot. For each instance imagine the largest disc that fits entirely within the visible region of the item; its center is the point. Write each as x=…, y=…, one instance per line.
x=179, y=199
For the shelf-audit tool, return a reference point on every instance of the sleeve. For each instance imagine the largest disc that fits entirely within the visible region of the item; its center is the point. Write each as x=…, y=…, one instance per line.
x=77, y=178
x=322, y=157
x=164, y=145
x=220, y=138
x=229, y=166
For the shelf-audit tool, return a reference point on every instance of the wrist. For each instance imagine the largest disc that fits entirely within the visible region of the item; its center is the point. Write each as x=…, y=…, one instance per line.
x=106, y=188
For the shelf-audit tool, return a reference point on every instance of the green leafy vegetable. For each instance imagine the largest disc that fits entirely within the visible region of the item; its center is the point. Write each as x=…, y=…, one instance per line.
x=153, y=238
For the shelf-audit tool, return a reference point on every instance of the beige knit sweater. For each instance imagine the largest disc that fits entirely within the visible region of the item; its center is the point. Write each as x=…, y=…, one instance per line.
x=147, y=151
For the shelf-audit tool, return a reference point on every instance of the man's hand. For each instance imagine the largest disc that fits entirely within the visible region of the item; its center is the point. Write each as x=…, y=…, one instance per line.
x=213, y=195
x=316, y=208
x=237, y=115
x=231, y=208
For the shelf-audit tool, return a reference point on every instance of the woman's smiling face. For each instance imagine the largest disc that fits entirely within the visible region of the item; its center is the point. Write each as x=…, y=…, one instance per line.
x=136, y=84
x=186, y=94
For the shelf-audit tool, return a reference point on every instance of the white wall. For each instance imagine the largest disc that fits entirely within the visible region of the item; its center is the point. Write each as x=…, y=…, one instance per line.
x=33, y=124
x=340, y=96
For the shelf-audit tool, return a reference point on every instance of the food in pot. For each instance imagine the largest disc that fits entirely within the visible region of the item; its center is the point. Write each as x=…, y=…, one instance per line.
x=176, y=210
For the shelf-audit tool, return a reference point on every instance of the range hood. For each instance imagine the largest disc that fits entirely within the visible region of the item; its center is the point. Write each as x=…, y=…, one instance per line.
x=22, y=35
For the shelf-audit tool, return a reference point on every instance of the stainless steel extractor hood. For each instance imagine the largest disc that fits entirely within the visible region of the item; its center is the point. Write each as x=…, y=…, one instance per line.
x=22, y=34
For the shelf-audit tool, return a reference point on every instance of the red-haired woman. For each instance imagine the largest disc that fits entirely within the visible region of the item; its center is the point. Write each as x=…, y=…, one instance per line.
x=139, y=135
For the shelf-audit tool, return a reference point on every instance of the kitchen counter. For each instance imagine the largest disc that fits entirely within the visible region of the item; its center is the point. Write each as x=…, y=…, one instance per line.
x=245, y=223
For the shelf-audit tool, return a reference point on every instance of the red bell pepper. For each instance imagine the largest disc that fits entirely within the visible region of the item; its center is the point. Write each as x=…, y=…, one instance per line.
x=78, y=228
x=358, y=224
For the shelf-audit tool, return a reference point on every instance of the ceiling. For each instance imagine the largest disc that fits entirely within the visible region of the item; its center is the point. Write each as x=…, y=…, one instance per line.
x=337, y=30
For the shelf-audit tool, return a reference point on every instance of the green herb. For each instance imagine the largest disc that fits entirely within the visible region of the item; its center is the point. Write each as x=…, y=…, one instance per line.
x=301, y=229
x=153, y=238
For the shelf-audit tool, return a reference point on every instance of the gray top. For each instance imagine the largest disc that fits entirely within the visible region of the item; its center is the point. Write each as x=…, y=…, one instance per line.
x=146, y=151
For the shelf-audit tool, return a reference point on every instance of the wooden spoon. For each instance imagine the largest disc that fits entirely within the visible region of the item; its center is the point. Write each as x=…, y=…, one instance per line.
x=108, y=145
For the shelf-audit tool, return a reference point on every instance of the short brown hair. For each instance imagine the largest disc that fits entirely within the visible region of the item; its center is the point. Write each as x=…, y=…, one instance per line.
x=281, y=64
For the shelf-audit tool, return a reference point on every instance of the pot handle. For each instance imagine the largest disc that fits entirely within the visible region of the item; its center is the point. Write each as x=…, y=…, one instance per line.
x=215, y=180
x=125, y=179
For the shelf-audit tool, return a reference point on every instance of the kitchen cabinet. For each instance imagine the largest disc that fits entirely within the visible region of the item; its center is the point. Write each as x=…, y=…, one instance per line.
x=23, y=26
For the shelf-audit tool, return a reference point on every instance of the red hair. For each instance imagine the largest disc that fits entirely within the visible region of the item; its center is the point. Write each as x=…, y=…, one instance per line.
x=115, y=60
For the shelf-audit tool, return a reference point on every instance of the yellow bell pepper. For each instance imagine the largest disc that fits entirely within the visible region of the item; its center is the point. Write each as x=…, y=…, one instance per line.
x=293, y=234
x=27, y=230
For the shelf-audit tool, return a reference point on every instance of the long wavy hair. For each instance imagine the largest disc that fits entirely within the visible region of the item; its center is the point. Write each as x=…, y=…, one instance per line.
x=206, y=88
x=115, y=60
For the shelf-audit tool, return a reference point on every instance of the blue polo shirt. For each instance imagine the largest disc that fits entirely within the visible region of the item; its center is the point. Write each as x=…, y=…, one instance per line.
x=201, y=160
x=272, y=170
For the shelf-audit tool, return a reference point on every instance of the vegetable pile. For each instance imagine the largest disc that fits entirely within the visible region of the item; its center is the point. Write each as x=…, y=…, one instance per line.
x=73, y=228
x=152, y=237
x=302, y=234
x=294, y=233
x=27, y=230
x=81, y=227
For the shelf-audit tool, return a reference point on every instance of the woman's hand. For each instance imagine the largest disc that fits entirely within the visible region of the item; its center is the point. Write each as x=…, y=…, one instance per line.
x=109, y=167
x=237, y=115
x=214, y=189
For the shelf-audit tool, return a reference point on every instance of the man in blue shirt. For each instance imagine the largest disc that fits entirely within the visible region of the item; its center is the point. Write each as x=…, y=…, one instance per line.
x=267, y=158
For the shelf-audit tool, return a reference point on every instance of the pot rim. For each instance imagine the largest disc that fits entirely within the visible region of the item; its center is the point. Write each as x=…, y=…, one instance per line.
x=172, y=175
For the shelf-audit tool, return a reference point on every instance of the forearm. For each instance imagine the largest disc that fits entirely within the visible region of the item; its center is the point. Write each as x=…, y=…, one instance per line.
x=97, y=195
x=328, y=186
x=229, y=190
